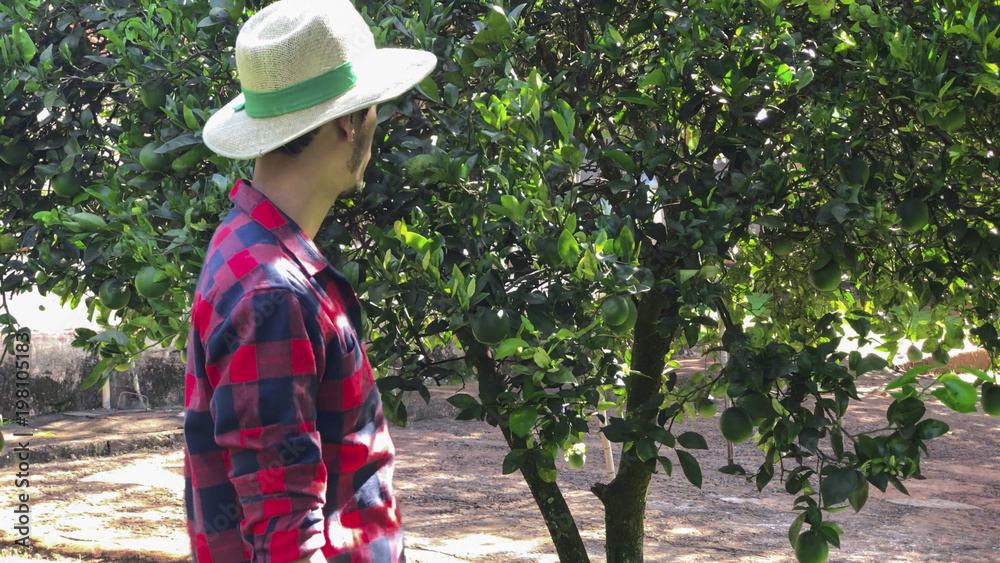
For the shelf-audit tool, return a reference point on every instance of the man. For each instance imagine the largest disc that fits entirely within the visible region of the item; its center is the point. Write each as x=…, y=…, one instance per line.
x=287, y=454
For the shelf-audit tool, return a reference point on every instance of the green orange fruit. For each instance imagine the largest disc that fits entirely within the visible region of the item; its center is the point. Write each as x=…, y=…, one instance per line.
x=8, y=243
x=736, y=425
x=782, y=247
x=491, y=327
x=914, y=354
x=633, y=314
x=576, y=460
x=67, y=184
x=576, y=456
x=615, y=310
x=114, y=294
x=706, y=407
x=825, y=277
x=154, y=94
x=151, y=283
x=758, y=406
x=991, y=399
x=150, y=159
x=913, y=215
x=14, y=153
x=811, y=547
x=953, y=120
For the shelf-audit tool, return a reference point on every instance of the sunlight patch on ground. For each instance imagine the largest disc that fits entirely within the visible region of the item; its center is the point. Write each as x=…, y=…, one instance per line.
x=686, y=532
x=482, y=545
x=141, y=474
x=933, y=503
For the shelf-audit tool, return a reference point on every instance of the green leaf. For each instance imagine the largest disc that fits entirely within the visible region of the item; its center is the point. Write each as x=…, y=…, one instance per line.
x=510, y=346
x=692, y=441
x=691, y=468
x=588, y=266
x=636, y=97
x=111, y=335
x=668, y=467
x=980, y=374
x=89, y=221
x=905, y=412
x=23, y=42
x=428, y=88
x=572, y=156
x=560, y=377
x=795, y=528
x=622, y=159
x=871, y=362
x=513, y=460
x=497, y=21
x=662, y=435
x=654, y=78
x=646, y=449
x=463, y=400
x=182, y=140
x=908, y=378
x=838, y=484
x=569, y=249
x=956, y=394
x=522, y=420
x=822, y=8
x=626, y=241
x=831, y=531
x=560, y=122
x=804, y=76
x=541, y=358
x=96, y=373
x=190, y=120
x=764, y=476
x=860, y=496
x=931, y=428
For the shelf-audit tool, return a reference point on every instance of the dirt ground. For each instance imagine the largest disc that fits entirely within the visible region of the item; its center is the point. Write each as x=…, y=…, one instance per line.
x=458, y=507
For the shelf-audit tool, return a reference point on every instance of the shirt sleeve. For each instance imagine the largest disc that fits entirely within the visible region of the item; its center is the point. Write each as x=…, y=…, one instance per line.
x=266, y=357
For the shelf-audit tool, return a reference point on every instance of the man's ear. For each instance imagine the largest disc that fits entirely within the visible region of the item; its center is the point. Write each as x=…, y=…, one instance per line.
x=344, y=127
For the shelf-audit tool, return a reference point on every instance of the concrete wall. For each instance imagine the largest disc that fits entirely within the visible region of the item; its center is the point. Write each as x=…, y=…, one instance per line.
x=56, y=370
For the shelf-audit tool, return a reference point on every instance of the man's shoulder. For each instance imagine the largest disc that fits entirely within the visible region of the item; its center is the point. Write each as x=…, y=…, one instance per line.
x=248, y=261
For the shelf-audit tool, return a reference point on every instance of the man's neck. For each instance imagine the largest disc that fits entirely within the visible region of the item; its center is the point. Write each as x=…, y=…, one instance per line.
x=297, y=195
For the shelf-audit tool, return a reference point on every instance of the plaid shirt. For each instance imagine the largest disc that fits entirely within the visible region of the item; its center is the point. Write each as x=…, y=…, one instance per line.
x=286, y=448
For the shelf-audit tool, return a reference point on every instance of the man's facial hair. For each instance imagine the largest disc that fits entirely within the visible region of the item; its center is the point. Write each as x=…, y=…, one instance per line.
x=355, y=163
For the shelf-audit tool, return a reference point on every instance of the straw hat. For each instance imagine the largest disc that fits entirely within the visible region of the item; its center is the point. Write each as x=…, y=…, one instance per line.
x=302, y=63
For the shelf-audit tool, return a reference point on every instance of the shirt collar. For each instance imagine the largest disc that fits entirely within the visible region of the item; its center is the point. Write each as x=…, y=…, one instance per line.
x=289, y=235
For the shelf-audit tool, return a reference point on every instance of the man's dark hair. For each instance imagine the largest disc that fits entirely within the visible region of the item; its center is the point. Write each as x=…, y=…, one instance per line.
x=299, y=144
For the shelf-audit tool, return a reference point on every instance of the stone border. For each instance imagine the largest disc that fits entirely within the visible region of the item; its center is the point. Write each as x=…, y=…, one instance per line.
x=100, y=447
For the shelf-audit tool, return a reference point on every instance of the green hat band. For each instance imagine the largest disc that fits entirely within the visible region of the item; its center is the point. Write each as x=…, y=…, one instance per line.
x=305, y=94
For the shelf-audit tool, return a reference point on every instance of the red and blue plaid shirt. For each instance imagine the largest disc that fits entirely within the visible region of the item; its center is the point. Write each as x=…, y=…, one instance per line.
x=286, y=448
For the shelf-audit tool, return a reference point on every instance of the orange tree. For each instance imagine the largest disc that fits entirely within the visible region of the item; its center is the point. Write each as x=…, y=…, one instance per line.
x=109, y=196
x=572, y=196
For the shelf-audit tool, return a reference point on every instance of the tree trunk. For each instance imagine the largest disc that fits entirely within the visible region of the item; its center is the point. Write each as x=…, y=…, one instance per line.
x=624, y=497
x=549, y=498
x=625, y=510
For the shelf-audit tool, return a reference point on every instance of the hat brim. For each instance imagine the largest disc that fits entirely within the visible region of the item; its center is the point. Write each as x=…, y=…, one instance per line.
x=383, y=75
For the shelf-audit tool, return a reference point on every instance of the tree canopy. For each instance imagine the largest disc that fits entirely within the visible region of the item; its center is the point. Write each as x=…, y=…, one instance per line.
x=578, y=191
